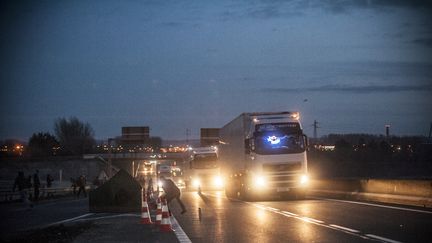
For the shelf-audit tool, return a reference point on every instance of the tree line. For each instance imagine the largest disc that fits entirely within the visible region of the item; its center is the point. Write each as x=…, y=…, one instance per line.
x=366, y=155
x=71, y=137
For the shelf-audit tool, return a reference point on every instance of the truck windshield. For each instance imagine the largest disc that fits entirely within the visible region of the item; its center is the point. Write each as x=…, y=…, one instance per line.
x=205, y=161
x=279, y=138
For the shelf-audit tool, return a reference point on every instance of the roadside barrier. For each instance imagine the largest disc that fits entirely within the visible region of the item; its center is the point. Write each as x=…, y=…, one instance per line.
x=145, y=214
x=7, y=195
x=165, y=225
x=406, y=192
x=159, y=211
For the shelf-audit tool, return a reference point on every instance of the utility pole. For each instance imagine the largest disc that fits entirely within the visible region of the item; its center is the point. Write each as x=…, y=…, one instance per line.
x=187, y=136
x=387, y=127
x=315, y=126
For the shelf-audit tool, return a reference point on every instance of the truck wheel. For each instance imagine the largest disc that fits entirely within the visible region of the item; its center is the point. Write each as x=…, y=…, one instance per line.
x=229, y=192
x=244, y=194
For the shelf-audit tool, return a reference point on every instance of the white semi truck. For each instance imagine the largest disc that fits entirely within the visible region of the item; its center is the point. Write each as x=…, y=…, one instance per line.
x=201, y=169
x=264, y=154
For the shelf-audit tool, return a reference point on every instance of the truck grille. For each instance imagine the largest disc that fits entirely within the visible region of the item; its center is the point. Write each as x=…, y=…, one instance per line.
x=282, y=175
x=281, y=168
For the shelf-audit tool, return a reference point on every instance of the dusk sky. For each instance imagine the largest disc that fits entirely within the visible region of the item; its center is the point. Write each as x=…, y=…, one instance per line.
x=354, y=66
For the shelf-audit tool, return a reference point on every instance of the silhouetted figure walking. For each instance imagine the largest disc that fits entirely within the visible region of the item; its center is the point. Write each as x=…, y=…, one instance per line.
x=172, y=191
x=73, y=185
x=21, y=183
x=49, y=180
x=81, y=183
x=36, y=185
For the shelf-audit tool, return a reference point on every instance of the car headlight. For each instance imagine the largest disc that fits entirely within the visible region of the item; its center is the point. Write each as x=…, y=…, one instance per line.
x=218, y=181
x=196, y=183
x=304, y=179
x=260, y=181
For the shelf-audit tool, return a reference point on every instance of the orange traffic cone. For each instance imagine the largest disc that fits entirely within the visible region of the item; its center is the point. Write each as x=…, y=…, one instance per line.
x=145, y=214
x=159, y=211
x=165, y=225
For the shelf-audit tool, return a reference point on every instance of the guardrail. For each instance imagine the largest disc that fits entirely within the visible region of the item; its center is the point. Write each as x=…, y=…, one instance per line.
x=45, y=193
x=407, y=192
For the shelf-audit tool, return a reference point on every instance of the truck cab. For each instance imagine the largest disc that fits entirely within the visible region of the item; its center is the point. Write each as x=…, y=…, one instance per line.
x=201, y=170
x=264, y=154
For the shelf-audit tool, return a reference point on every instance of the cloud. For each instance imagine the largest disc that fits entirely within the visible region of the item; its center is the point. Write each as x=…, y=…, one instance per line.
x=265, y=9
x=354, y=89
x=427, y=42
x=172, y=24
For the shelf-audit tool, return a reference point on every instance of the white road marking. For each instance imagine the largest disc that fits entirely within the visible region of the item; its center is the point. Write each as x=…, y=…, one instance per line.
x=313, y=220
x=331, y=226
x=179, y=232
x=273, y=209
x=110, y=217
x=382, y=238
x=323, y=224
x=344, y=228
x=376, y=205
x=67, y=220
x=292, y=214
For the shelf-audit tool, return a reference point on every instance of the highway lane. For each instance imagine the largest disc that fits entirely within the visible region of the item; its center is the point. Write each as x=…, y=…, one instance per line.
x=312, y=220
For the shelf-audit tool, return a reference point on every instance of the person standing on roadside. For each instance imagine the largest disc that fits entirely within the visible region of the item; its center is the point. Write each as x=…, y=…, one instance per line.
x=21, y=184
x=49, y=180
x=172, y=191
x=81, y=183
x=36, y=185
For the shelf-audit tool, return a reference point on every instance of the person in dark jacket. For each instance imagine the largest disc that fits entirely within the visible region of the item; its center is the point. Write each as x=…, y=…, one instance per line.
x=172, y=191
x=36, y=185
x=49, y=180
x=81, y=183
x=22, y=184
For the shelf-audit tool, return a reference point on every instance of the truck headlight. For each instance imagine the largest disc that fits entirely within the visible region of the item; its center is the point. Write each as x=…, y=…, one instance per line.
x=260, y=181
x=304, y=179
x=218, y=181
x=196, y=183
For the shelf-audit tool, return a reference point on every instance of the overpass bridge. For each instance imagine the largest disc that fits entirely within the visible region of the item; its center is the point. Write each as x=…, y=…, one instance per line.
x=130, y=161
x=138, y=156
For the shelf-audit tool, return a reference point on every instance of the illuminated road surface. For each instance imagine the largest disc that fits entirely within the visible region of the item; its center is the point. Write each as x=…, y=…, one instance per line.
x=313, y=220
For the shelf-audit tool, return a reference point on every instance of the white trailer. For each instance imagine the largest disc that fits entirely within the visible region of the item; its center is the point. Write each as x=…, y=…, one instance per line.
x=264, y=154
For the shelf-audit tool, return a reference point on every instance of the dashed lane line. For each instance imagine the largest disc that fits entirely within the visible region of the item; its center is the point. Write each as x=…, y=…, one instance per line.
x=321, y=223
x=382, y=238
x=344, y=228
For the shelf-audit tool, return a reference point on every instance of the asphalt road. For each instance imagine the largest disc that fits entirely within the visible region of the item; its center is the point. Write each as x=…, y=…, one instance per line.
x=17, y=217
x=212, y=217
